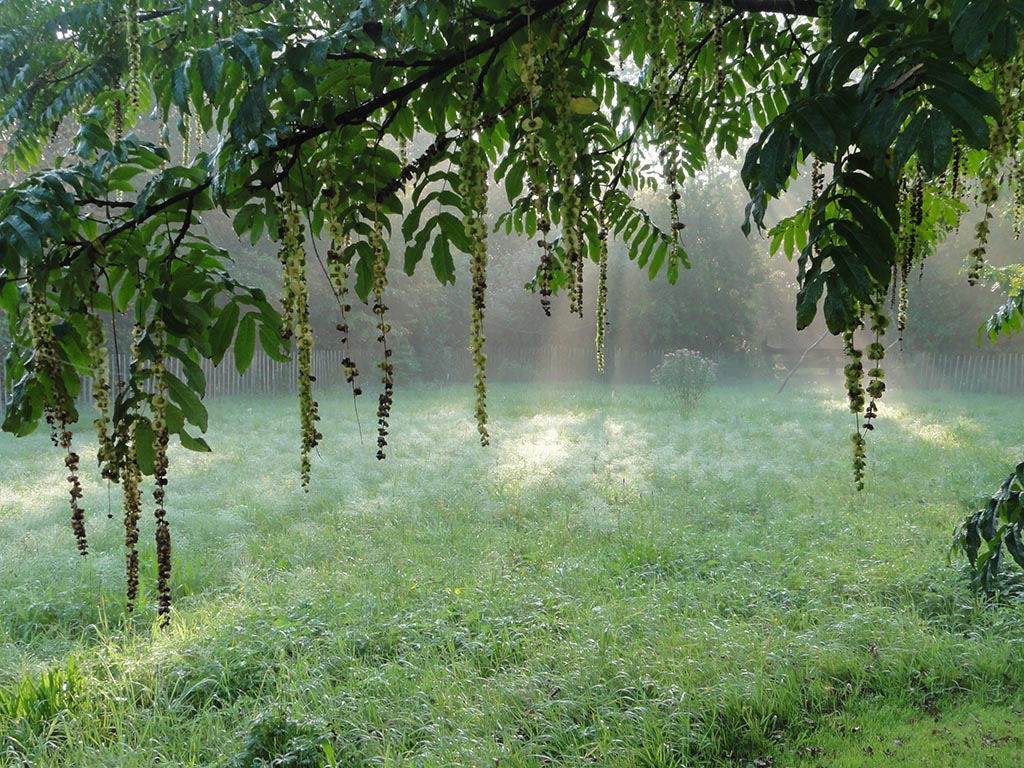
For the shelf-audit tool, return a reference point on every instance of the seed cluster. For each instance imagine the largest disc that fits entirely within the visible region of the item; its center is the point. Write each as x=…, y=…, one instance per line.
x=854, y=371
x=48, y=366
x=1017, y=182
x=956, y=172
x=387, y=368
x=718, y=19
x=473, y=192
x=602, y=293
x=662, y=17
x=161, y=438
x=131, y=482
x=337, y=273
x=908, y=238
x=572, y=205
x=531, y=126
x=133, y=38
x=1001, y=147
x=856, y=392
x=875, y=353
x=100, y=365
x=292, y=255
x=988, y=196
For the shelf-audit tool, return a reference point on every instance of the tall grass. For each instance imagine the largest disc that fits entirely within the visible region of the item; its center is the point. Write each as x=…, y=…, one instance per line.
x=608, y=584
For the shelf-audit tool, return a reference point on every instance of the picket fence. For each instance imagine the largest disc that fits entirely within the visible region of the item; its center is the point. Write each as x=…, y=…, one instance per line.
x=993, y=373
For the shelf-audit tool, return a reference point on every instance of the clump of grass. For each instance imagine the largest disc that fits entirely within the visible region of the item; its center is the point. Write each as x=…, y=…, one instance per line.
x=607, y=583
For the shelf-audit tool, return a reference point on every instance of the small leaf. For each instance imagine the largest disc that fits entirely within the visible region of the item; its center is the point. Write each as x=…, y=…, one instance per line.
x=583, y=105
x=191, y=443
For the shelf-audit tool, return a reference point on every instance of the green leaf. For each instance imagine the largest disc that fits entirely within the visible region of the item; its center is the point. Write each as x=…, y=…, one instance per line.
x=211, y=63
x=838, y=306
x=9, y=296
x=245, y=343
x=249, y=55
x=935, y=145
x=583, y=105
x=441, y=261
x=962, y=114
x=223, y=331
x=276, y=347
x=191, y=443
x=188, y=401
x=144, y=445
x=814, y=130
x=807, y=302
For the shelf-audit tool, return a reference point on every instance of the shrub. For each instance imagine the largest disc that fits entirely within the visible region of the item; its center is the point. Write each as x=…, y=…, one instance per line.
x=686, y=374
x=1000, y=525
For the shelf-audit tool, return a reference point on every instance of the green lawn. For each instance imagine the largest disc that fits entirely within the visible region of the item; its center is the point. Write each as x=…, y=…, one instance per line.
x=608, y=584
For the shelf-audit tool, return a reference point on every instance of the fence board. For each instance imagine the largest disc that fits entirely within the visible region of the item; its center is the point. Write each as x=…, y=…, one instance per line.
x=1001, y=373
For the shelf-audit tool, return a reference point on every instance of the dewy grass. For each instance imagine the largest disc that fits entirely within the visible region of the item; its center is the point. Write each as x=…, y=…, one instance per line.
x=609, y=583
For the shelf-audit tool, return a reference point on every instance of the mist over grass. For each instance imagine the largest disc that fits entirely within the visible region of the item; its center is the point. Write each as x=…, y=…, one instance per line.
x=609, y=583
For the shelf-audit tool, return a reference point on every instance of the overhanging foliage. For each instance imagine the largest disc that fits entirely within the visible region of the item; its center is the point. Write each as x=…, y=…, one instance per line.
x=297, y=121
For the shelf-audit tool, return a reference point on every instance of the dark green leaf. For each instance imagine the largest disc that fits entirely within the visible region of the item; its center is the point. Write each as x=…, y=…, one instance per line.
x=188, y=401
x=223, y=332
x=211, y=62
x=144, y=445
x=245, y=343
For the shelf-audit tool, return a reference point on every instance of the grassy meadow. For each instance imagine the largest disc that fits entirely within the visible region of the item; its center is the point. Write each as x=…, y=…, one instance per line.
x=610, y=584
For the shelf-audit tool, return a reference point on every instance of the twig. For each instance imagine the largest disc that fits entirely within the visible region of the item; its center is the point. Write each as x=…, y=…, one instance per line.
x=800, y=362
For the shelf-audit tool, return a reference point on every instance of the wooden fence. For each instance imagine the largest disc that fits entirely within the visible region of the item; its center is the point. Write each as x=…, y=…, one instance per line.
x=998, y=373
x=978, y=372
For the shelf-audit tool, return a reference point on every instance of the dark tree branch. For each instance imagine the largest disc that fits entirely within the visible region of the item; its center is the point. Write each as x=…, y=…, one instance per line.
x=785, y=7
x=439, y=68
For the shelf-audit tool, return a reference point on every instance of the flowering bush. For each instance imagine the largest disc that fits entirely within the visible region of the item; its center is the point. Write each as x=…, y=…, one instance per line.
x=686, y=374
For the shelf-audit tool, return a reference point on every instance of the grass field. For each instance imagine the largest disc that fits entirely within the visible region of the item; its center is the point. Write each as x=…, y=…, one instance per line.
x=608, y=584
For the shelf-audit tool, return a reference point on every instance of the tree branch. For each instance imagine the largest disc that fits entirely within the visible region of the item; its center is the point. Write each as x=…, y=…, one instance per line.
x=785, y=7
x=439, y=68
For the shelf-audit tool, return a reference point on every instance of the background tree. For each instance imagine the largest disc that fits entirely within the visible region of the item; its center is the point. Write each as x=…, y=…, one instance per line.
x=296, y=120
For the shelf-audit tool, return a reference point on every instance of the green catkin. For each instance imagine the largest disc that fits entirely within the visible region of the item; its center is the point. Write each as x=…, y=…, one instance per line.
x=292, y=256
x=337, y=273
x=473, y=191
x=662, y=17
x=531, y=126
x=854, y=371
x=387, y=368
x=572, y=207
x=48, y=366
x=1017, y=182
x=956, y=169
x=817, y=181
x=1002, y=146
x=161, y=439
x=118, y=120
x=602, y=293
x=106, y=454
x=289, y=239
x=718, y=19
x=133, y=35
x=875, y=354
x=908, y=255
x=186, y=138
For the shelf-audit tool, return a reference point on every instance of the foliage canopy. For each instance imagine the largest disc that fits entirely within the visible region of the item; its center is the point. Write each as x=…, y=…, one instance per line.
x=295, y=118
